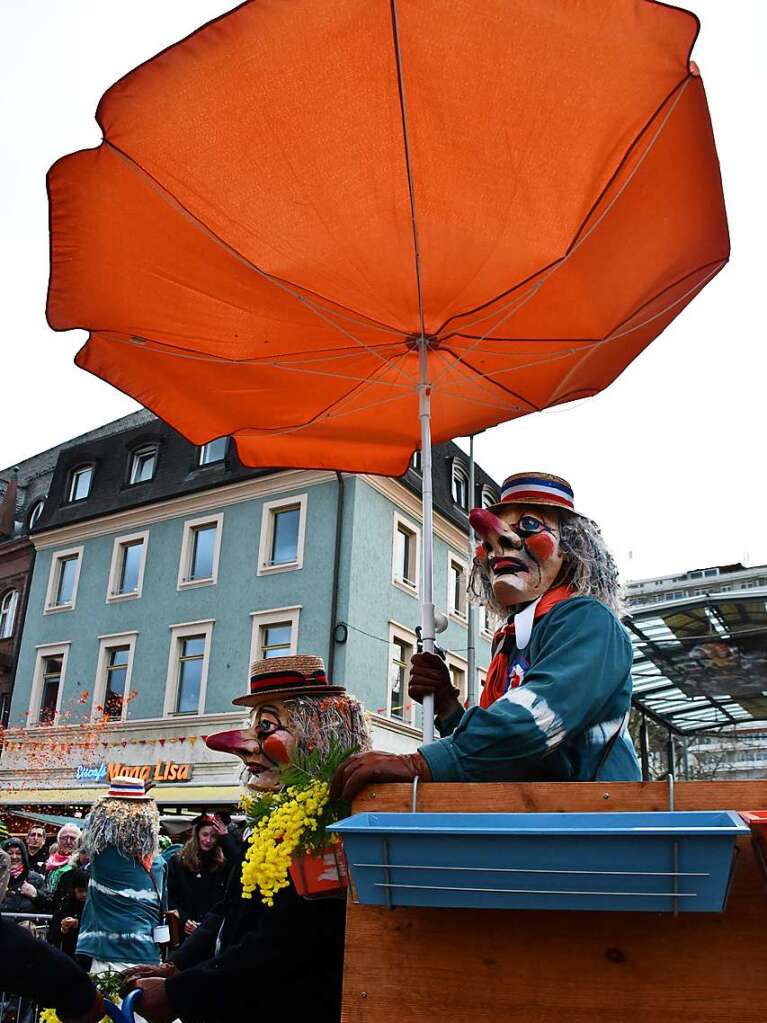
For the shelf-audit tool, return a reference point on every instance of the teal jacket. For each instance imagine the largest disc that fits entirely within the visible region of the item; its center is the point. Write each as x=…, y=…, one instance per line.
x=575, y=696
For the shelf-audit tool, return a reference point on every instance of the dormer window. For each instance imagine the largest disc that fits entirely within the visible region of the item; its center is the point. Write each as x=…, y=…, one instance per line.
x=415, y=462
x=8, y=606
x=213, y=451
x=35, y=513
x=489, y=497
x=460, y=487
x=143, y=464
x=80, y=483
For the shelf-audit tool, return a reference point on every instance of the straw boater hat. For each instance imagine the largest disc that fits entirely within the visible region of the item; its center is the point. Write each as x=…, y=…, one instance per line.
x=124, y=787
x=536, y=488
x=283, y=677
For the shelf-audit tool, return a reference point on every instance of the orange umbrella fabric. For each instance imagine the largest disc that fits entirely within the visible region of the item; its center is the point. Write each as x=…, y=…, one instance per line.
x=285, y=201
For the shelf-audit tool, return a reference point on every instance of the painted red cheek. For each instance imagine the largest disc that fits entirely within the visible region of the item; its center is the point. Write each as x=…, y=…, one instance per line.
x=541, y=546
x=275, y=748
x=485, y=523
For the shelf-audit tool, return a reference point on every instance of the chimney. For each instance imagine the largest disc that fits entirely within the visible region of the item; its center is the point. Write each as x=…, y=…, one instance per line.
x=8, y=507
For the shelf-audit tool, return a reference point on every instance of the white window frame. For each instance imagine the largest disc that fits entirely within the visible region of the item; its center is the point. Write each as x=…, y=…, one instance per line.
x=36, y=695
x=416, y=462
x=73, y=473
x=483, y=630
x=144, y=449
x=213, y=461
x=411, y=527
x=187, y=551
x=35, y=513
x=268, y=511
x=113, y=596
x=271, y=617
x=179, y=632
x=454, y=661
x=53, y=580
x=488, y=497
x=459, y=471
x=106, y=643
x=9, y=606
x=400, y=632
x=457, y=616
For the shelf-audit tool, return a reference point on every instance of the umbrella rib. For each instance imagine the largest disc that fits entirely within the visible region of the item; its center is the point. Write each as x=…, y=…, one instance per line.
x=408, y=164
x=453, y=367
x=584, y=237
x=286, y=287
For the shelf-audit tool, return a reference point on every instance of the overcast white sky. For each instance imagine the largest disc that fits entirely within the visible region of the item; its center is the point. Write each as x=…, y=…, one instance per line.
x=670, y=459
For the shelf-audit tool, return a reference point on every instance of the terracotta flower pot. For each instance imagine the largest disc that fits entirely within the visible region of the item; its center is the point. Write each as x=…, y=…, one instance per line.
x=316, y=875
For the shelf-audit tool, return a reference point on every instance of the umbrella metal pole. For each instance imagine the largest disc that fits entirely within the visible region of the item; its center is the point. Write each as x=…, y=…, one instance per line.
x=471, y=609
x=427, y=575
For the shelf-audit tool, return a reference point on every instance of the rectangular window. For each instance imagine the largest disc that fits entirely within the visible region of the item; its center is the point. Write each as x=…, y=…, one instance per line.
x=213, y=451
x=190, y=661
x=49, y=699
x=47, y=684
x=458, y=678
x=142, y=465
x=274, y=633
x=281, y=546
x=200, y=550
x=406, y=555
x=63, y=579
x=456, y=581
x=80, y=483
x=399, y=704
x=111, y=691
x=126, y=573
x=188, y=668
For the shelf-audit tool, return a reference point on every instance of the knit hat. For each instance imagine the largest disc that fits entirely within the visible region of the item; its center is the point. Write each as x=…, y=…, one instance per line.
x=283, y=677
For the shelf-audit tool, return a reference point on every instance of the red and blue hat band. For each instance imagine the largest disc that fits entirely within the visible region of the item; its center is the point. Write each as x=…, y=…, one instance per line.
x=537, y=488
x=286, y=680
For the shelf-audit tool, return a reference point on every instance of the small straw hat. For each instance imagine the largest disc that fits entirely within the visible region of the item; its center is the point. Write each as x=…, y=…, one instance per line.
x=283, y=677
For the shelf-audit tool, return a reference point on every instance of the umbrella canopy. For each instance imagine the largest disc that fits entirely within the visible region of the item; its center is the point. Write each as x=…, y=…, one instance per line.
x=299, y=203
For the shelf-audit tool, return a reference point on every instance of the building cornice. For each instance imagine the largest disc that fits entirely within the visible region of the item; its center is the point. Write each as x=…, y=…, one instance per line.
x=185, y=504
x=410, y=503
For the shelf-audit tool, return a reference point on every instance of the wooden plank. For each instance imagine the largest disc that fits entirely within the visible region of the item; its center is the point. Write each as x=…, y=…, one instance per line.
x=470, y=966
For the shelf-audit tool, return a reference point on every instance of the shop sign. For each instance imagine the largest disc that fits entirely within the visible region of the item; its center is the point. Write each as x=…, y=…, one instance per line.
x=165, y=771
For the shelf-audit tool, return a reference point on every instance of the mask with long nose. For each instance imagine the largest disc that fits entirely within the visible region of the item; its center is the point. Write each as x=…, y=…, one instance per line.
x=263, y=747
x=521, y=544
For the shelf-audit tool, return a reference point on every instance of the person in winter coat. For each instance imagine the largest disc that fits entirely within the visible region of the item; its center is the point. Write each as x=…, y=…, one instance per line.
x=197, y=874
x=35, y=970
x=37, y=848
x=244, y=953
x=79, y=858
x=26, y=888
x=68, y=905
x=67, y=840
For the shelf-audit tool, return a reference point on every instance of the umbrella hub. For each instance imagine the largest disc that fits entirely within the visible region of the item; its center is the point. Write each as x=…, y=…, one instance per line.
x=413, y=341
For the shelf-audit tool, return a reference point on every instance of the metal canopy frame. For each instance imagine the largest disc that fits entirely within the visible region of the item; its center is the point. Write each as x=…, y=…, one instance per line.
x=660, y=630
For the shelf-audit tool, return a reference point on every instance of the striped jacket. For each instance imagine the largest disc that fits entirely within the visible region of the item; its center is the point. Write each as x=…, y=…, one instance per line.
x=556, y=726
x=123, y=907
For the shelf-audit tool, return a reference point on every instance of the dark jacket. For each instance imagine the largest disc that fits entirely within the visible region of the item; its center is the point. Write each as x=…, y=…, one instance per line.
x=15, y=901
x=296, y=949
x=31, y=968
x=64, y=905
x=193, y=893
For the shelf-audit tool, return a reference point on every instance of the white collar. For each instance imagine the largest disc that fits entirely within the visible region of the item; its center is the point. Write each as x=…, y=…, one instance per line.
x=523, y=624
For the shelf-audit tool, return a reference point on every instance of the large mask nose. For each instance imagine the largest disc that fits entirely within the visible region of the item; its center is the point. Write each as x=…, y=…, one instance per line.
x=228, y=742
x=490, y=528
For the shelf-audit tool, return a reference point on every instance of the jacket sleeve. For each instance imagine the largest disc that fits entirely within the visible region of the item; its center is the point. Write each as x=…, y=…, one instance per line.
x=281, y=946
x=30, y=967
x=200, y=945
x=583, y=660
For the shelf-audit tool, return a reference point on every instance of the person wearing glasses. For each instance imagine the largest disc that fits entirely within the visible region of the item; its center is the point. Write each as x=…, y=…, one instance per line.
x=556, y=701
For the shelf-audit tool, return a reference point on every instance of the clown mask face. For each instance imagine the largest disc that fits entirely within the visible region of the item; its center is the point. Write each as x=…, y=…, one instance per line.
x=522, y=548
x=262, y=747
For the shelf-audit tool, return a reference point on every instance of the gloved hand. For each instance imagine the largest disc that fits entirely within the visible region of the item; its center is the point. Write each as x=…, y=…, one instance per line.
x=154, y=1005
x=429, y=674
x=129, y=977
x=370, y=768
x=93, y=1015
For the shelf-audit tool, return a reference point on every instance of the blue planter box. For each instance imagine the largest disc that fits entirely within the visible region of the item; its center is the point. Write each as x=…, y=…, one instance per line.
x=656, y=862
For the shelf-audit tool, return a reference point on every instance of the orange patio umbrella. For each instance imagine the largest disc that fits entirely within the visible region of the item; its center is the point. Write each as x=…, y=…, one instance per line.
x=337, y=229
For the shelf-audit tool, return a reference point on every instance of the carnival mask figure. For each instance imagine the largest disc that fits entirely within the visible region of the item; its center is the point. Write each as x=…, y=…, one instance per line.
x=558, y=688
x=292, y=706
